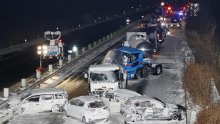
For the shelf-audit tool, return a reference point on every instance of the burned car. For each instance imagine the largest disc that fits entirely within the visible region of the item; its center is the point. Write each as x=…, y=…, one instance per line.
x=116, y=97
x=142, y=108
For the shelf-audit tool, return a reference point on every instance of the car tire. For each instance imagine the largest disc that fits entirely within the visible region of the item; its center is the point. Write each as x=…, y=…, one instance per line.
x=55, y=108
x=175, y=116
x=84, y=120
x=158, y=70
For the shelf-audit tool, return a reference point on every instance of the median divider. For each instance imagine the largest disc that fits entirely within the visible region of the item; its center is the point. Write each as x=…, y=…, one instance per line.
x=68, y=67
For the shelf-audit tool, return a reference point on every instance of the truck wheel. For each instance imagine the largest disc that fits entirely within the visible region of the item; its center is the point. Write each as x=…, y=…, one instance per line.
x=145, y=72
x=138, y=74
x=158, y=70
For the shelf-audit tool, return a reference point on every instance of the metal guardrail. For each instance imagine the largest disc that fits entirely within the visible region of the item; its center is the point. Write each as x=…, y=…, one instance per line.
x=104, y=45
x=40, y=40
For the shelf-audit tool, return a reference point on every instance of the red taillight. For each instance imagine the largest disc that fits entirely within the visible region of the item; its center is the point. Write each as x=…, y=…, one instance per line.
x=169, y=8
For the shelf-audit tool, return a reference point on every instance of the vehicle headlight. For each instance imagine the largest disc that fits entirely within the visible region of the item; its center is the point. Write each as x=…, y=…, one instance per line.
x=178, y=25
x=171, y=25
x=168, y=33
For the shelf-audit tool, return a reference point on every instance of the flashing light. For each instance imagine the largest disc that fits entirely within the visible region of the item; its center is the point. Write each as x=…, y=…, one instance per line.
x=180, y=13
x=169, y=8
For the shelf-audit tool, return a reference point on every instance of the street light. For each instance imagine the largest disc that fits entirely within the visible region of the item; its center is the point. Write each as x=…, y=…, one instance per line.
x=162, y=5
x=42, y=50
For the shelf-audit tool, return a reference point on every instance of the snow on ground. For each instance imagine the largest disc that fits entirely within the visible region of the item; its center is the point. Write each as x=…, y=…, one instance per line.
x=58, y=118
x=167, y=87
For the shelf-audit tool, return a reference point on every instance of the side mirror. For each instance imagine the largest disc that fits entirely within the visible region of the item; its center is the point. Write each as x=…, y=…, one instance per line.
x=86, y=75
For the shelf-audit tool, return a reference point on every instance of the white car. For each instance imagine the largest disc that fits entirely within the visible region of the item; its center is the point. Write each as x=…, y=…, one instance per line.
x=87, y=108
x=115, y=98
x=49, y=99
x=142, y=108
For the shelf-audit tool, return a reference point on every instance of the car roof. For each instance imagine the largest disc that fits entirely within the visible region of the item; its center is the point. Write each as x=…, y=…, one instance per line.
x=88, y=98
x=125, y=93
x=46, y=91
x=141, y=98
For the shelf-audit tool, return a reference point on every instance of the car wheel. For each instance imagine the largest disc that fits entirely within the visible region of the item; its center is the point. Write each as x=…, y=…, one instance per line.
x=158, y=70
x=175, y=117
x=84, y=120
x=138, y=74
x=55, y=108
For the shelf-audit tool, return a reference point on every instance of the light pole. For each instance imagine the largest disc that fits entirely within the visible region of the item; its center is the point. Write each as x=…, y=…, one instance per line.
x=75, y=50
x=162, y=5
x=41, y=50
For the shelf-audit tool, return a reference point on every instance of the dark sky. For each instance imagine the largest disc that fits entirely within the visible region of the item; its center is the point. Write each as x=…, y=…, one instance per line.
x=19, y=18
x=58, y=9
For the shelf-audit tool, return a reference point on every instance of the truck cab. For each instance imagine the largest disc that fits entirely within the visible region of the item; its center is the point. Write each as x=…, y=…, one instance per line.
x=103, y=77
x=133, y=62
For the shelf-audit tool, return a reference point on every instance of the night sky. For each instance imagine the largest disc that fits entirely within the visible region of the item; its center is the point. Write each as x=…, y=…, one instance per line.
x=40, y=10
x=19, y=18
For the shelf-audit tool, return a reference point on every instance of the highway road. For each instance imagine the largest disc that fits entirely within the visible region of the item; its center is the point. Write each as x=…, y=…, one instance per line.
x=167, y=86
x=15, y=66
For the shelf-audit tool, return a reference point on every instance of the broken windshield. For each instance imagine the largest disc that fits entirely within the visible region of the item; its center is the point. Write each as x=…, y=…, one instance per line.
x=105, y=76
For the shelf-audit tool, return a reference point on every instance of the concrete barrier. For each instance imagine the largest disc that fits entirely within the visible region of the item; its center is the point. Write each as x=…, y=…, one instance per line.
x=23, y=82
x=60, y=62
x=83, y=50
x=6, y=93
x=69, y=58
x=89, y=46
x=50, y=68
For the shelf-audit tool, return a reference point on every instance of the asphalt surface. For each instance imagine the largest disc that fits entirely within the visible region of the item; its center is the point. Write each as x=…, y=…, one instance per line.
x=15, y=66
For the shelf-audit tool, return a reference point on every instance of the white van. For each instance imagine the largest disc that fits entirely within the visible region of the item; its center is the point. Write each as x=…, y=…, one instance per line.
x=49, y=99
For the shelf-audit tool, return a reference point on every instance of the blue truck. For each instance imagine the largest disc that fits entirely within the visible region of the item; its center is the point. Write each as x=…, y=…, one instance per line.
x=134, y=64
